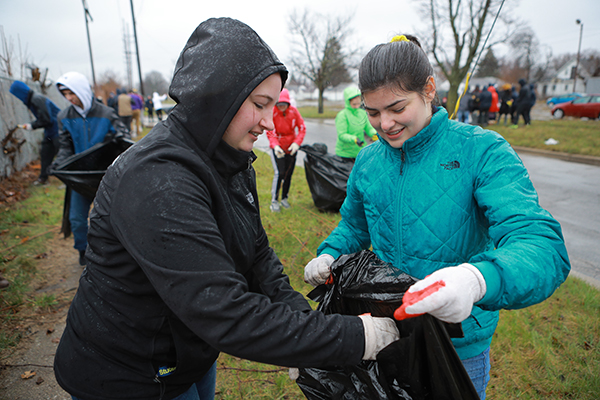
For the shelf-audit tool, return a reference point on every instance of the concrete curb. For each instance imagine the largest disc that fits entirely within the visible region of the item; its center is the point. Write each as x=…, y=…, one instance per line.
x=578, y=158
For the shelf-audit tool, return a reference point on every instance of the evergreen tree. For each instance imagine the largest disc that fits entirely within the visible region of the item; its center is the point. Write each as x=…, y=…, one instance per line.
x=489, y=65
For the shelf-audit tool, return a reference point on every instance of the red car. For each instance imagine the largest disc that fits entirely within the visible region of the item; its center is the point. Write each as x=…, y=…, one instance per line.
x=586, y=106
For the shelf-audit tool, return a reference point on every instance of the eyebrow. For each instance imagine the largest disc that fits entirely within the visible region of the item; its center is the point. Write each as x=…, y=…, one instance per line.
x=269, y=98
x=388, y=106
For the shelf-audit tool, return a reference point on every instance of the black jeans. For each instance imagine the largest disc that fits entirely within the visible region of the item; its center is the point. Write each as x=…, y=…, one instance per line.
x=48, y=151
x=284, y=168
x=524, y=111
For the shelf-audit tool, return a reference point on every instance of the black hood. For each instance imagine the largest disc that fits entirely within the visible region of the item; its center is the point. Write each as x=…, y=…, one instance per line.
x=222, y=63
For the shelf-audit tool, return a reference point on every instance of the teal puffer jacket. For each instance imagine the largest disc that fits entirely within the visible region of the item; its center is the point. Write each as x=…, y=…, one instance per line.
x=455, y=193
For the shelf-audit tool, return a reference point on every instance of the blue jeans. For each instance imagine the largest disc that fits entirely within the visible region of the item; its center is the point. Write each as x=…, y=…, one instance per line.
x=204, y=389
x=78, y=217
x=463, y=116
x=478, y=369
x=201, y=390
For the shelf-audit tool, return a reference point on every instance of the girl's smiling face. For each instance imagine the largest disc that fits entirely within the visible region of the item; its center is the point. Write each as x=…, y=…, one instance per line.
x=254, y=116
x=397, y=115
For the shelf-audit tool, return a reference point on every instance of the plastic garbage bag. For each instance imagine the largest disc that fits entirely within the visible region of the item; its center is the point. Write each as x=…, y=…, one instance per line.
x=83, y=172
x=327, y=176
x=422, y=365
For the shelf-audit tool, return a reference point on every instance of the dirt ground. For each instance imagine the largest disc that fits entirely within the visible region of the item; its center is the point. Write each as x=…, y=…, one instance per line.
x=26, y=371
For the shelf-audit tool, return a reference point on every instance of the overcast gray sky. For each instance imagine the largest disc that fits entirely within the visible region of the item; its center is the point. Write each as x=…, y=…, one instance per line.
x=52, y=32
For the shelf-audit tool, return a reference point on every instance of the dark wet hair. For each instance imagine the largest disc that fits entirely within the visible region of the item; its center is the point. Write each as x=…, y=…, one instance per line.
x=402, y=64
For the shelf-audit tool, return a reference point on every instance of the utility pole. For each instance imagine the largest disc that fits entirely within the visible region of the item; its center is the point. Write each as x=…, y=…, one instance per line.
x=127, y=55
x=137, y=50
x=578, y=22
x=87, y=14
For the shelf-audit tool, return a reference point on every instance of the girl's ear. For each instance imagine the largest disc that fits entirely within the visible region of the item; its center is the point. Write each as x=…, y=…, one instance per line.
x=429, y=91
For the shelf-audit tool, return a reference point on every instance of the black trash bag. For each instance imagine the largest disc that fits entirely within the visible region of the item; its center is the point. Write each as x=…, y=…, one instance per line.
x=327, y=176
x=422, y=365
x=83, y=172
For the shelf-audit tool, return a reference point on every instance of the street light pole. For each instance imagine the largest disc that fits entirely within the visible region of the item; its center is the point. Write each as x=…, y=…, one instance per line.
x=578, y=22
x=137, y=50
x=87, y=14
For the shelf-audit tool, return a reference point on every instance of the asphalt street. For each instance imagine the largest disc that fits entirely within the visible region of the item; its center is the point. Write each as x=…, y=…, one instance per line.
x=570, y=191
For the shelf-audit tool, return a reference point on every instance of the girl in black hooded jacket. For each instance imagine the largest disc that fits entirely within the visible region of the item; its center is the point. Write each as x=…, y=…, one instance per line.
x=179, y=266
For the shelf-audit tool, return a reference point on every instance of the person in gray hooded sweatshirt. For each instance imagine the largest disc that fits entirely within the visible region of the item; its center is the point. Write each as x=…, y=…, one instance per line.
x=179, y=267
x=83, y=124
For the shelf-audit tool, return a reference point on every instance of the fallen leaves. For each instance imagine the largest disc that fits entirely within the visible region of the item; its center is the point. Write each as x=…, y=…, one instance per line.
x=28, y=375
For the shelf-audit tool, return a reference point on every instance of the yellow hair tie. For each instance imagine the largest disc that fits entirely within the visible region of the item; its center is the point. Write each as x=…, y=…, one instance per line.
x=400, y=38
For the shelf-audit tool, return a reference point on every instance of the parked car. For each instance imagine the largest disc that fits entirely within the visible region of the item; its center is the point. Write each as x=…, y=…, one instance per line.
x=563, y=98
x=586, y=106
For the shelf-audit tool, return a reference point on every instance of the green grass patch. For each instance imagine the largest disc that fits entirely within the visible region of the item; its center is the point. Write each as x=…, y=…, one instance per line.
x=313, y=112
x=575, y=136
x=548, y=351
x=25, y=227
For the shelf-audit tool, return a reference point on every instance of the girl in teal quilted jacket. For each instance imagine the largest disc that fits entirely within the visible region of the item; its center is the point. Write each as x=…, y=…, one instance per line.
x=446, y=202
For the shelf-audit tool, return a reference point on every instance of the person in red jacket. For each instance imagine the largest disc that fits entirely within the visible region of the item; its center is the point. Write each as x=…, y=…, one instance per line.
x=494, y=108
x=285, y=140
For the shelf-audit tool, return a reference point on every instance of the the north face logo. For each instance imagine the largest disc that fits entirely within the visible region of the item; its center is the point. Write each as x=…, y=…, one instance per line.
x=451, y=165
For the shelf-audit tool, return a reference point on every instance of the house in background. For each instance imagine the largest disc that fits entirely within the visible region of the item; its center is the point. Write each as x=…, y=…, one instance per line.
x=563, y=80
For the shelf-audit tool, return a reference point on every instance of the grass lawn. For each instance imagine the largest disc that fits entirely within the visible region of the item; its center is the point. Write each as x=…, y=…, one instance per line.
x=574, y=136
x=548, y=351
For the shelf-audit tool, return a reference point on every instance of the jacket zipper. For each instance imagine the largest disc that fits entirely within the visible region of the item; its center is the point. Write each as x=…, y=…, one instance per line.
x=399, y=208
x=401, y=160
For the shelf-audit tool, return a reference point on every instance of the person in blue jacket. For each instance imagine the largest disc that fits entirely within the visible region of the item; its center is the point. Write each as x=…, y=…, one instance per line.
x=83, y=124
x=448, y=203
x=45, y=112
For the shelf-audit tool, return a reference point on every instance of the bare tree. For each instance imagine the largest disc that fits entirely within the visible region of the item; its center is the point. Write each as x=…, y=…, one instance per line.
x=319, y=51
x=7, y=55
x=155, y=82
x=108, y=84
x=525, y=49
x=458, y=30
x=590, y=61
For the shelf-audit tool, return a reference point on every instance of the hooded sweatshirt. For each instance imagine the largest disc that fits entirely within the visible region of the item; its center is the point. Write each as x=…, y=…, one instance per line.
x=179, y=265
x=351, y=124
x=286, y=123
x=81, y=128
x=44, y=110
x=157, y=100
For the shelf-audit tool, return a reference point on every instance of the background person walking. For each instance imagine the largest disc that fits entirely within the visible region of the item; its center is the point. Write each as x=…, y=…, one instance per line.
x=285, y=140
x=157, y=102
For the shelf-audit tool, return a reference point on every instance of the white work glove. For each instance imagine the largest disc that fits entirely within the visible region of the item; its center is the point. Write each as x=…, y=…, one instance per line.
x=294, y=373
x=25, y=126
x=293, y=148
x=279, y=153
x=379, y=333
x=317, y=271
x=448, y=294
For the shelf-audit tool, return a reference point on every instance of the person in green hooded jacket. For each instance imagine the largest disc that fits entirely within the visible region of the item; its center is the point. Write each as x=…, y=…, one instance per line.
x=352, y=124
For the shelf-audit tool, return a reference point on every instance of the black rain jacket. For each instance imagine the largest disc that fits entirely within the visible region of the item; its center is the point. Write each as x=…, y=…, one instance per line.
x=178, y=264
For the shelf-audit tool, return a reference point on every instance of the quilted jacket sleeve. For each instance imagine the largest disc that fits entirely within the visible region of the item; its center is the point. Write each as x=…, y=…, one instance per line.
x=352, y=233
x=343, y=128
x=301, y=126
x=530, y=260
